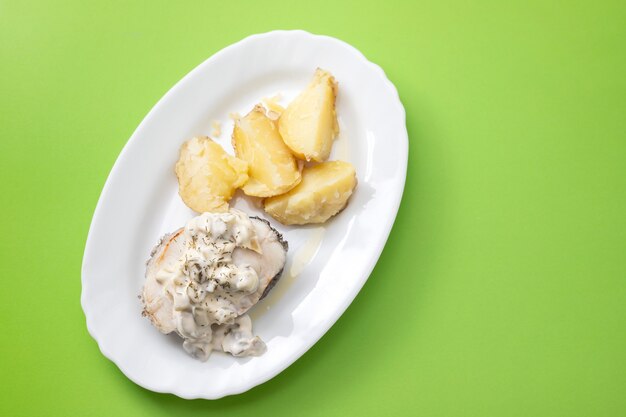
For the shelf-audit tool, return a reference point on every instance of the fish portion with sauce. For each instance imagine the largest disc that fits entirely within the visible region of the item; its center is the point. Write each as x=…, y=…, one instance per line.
x=203, y=278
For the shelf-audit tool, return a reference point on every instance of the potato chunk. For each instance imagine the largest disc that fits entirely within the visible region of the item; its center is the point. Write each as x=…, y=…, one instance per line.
x=323, y=192
x=309, y=124
x=273, y=169
x=207, y=175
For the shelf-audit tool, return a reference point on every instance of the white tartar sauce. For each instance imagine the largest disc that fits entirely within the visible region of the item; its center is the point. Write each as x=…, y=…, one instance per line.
x=206, y=286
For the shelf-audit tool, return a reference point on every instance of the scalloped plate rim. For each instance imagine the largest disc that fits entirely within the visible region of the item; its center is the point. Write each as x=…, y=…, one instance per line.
x=402, y=160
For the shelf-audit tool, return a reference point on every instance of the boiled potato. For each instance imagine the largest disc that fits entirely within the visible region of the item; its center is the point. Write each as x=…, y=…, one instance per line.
x=272, y=167
x=323, y=192
x=207, y=175
x=274, y=109
x=309, y=124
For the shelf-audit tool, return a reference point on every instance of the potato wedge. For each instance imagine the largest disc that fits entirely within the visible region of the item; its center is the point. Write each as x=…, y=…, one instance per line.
x=323, y=192
x=207, y=175
x=309, y=124
x=273, y=169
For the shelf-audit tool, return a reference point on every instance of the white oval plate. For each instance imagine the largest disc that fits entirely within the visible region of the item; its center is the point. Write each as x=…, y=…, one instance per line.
x=326, y=267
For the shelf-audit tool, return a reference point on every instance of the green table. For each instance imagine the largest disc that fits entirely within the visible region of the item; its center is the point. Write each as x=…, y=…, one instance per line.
x=502, y=290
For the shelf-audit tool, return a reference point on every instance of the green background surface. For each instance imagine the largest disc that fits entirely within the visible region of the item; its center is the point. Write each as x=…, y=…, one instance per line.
x=502, y=289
